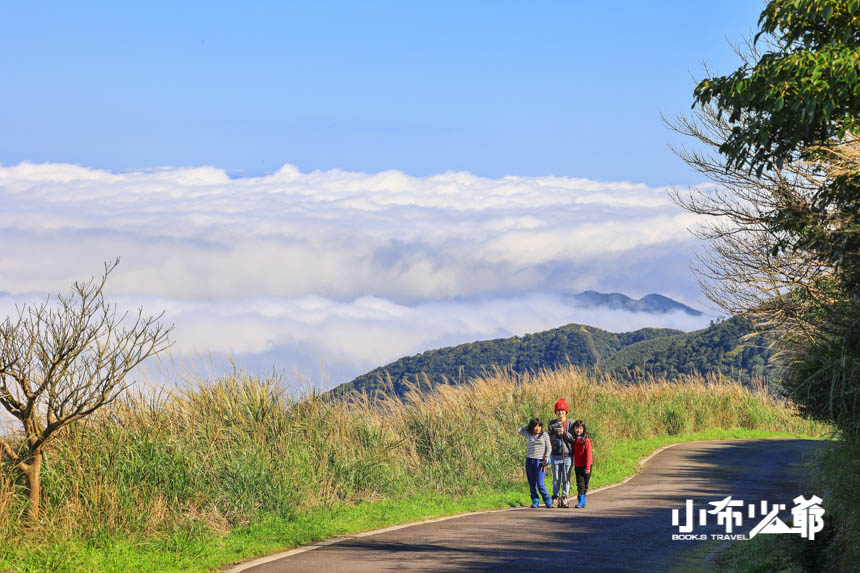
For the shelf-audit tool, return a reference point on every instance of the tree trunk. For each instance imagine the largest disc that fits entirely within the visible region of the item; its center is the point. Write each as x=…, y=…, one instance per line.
x=34, y=484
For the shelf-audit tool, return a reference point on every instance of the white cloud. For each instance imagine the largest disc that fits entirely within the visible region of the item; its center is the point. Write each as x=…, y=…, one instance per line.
x=196, y=233
x=357, y=268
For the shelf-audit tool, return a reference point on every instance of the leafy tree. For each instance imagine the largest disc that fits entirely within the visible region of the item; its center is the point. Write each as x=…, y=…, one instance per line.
x=784, y=131
x=804, y=92
x=785, y=217
x=61, y=363
x=801, y=102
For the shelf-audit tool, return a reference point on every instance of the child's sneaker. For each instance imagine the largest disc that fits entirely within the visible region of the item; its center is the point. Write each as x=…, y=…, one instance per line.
x=563, y=502
x=554, y=502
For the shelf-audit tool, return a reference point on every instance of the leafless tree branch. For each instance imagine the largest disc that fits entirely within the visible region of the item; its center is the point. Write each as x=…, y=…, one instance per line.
x=60, y=363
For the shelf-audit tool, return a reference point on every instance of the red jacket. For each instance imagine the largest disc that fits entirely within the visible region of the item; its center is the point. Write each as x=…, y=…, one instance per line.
x=582, y=453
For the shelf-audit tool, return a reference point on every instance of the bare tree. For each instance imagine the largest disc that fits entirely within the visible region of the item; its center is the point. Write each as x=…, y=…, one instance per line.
x=60, y=362
x=785, y=253
x=755, y=267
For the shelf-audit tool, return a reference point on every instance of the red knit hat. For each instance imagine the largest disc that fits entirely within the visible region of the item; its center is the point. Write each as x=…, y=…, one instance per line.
x=561, y=405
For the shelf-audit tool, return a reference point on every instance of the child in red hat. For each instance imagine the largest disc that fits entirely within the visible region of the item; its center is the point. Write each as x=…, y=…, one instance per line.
x=561, y=436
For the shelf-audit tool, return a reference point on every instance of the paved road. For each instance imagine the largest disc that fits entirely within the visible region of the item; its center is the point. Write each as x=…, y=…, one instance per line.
x=624, y=528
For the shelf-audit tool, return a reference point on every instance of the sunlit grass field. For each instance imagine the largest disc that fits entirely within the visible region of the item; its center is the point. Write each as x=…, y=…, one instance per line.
x=233, y=467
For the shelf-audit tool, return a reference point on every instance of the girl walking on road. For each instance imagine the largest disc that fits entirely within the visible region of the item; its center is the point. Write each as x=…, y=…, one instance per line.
x=562, y=452
x=537, y=454
x=582, y=460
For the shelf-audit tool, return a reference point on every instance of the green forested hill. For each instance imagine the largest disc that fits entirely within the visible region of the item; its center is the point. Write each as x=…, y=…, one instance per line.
x=716, y=349
x=657, y=351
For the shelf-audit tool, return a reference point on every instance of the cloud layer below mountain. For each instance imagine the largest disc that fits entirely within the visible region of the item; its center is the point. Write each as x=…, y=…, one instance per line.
x=357, y=268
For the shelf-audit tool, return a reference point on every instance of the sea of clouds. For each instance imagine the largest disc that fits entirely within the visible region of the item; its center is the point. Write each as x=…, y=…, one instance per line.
x=325, y=275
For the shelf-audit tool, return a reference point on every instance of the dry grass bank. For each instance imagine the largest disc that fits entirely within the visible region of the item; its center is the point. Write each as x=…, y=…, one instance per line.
x=222, y=453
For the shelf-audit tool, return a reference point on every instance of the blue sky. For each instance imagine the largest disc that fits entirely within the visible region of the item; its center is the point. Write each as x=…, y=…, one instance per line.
x=325, y=187
x=494, y=88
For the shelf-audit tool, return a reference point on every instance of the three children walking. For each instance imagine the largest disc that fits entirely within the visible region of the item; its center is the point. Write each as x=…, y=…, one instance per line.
x=565, y=445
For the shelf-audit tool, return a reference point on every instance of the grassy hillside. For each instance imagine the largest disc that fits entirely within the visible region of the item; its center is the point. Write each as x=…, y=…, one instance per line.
x=234, y=467
x=657, y=352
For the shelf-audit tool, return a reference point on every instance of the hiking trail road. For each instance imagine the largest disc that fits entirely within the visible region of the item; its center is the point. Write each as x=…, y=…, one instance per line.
x=627, y=527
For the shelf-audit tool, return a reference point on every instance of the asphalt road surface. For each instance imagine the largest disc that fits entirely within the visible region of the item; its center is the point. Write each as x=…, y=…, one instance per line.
x=624, y=528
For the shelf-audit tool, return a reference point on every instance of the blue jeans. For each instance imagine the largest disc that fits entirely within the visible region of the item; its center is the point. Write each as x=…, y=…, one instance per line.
x=535, y=476
x=561, y=475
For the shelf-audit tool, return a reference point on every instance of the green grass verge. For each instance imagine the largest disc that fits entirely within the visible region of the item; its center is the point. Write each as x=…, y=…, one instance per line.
x=765, y=553
x=198, y=548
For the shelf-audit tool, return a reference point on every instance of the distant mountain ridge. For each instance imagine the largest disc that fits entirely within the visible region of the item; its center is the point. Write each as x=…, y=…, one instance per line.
x=656, y=303
x=660, y=352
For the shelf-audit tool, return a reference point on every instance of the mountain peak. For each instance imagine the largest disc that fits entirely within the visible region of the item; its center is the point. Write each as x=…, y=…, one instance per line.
x=655, y=303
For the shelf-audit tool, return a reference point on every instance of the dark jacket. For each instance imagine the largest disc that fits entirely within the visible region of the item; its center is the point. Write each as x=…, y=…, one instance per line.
x=561, y=445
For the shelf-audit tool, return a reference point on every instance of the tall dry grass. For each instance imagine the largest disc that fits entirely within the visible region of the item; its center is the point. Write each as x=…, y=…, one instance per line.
x=218, y=454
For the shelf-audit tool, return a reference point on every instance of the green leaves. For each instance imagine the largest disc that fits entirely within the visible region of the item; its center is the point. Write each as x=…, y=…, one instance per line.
x=802, y=96
x=810, y=24
x=780, y=102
